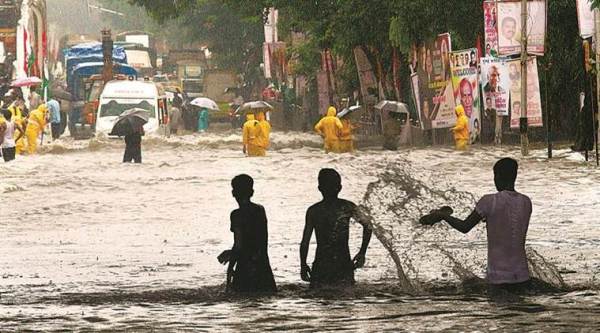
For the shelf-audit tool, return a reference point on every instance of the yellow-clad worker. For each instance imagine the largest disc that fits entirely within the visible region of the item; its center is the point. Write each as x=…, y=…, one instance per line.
x=461, y=129
x=17, y=117
x=346, y=136
x=251, y=134
x=329, y=127
x=35, y=125
x=265, y=130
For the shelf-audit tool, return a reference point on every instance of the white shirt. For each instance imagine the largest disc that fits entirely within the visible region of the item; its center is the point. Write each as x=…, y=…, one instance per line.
x=9, y=135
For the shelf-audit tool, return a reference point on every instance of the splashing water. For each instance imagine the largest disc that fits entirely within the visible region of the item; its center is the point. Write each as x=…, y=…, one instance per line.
x=395, y=202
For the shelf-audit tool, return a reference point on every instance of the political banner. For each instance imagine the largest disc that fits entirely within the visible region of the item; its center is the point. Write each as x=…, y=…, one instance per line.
x=490, y=14
x=495, y=84
x=465, y=81
x=435, y=96
x=585, y=17
x=509, y=27
x=534, y=102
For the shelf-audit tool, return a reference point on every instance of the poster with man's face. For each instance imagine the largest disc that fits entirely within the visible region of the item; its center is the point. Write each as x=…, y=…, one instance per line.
x=490, y=15
x=509, y=27
x=534, y=102
x=495, y=84
x=465, y=81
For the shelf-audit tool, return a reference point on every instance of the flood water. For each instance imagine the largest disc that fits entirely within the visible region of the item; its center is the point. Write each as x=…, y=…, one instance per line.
x=88, y=243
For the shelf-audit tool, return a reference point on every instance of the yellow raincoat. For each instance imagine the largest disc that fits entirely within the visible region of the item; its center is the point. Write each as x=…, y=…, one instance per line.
x=252, y=137
x=17, y=117
x=35, y=126
x=461, y=129
x=329, y=127
x=265, y=127
x=346, y=136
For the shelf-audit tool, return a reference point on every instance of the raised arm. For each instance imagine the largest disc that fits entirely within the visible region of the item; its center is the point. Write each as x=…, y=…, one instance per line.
x=463, y=226
x=304, y=245
x=359, y=259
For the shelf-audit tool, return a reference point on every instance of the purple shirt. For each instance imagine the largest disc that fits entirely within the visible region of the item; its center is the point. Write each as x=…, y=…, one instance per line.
x=507, y=214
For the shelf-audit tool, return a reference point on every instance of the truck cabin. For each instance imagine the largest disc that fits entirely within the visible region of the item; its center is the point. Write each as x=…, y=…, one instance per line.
x=84, y=71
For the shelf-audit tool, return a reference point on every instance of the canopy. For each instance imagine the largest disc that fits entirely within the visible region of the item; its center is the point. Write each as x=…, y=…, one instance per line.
x=206, y=103
x=26, y=82
x=256, y=106
x=392, y=106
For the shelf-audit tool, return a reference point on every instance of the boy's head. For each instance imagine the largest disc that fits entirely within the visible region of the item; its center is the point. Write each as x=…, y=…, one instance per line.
x=330, y=183
x=242, y=187
x=505, y=174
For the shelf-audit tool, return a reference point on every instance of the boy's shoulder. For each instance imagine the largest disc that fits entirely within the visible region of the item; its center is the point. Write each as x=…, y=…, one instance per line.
x=340, y=203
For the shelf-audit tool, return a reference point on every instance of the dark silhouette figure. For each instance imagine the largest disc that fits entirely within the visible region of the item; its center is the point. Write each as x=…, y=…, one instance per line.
x=507, y=214
x=133, y=146
x=249, y=268
x=330, y=220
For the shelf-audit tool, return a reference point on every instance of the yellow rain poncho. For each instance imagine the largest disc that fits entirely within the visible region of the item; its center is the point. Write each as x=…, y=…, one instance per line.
x=265, y=127
x=346, y=136
x=329, y=128
x=17, y=117
x=35, y=126
x=252, y=137
x=461, y=129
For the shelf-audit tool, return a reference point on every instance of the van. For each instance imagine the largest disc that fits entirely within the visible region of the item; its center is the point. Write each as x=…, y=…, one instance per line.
x=119, y=96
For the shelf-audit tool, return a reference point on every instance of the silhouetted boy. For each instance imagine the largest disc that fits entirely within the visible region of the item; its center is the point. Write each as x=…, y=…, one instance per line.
x=507, y=215
x=249, y=268
x=330, y=219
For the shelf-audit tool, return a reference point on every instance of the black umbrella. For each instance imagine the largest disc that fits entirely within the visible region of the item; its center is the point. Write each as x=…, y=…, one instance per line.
x=130, y=122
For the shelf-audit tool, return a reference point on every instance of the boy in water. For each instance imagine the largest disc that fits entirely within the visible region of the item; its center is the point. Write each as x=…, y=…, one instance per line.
x=507, y=215
x=249, y=268
x=330, y=219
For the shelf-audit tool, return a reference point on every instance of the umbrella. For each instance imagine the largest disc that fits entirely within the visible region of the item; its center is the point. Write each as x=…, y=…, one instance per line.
x=392, y=106
x=348, y=111
x=129, y=121
x=26, y=82
x=256, y=106
x=206, y=103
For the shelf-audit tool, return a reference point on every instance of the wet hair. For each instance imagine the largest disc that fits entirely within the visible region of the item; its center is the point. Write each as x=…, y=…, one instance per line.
x=242, y=185
x=505, y=171
x=330, y=182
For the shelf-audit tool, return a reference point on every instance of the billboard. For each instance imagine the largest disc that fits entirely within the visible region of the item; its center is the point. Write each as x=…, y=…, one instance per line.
x=585, y=17
x=495, y=84
x=435, y=95
x=465, y=81
x=509, y=27
x=534, y=102
x=490, y=15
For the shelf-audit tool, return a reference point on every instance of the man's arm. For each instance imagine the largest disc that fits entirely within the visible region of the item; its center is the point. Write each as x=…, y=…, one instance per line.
x=359, y=259
x=307, y=234
x=463, y=226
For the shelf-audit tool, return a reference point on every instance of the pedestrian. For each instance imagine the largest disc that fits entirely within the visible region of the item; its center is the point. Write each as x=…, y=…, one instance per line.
x=346, y=144
x=176, y=118
x=392, y=129
x=7, y=136
x=265, y=130
x=252, y=133
x=203, y=118
x=461, y=129
x=249, y=268
x=35, y=100
x=133, y=145
x=54, y=110
x=36, y=123
x=507, y=214
x=330, y=220
x=329, y=128
x=17, y=110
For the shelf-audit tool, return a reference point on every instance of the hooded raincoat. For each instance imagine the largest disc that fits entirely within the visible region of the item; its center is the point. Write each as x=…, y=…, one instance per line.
x=35, y=126
x=346, y=136
x=265, y=127
x=203, y=120
x=17, y=117
x=251, y=134
x=329, y=127
x=461, y=129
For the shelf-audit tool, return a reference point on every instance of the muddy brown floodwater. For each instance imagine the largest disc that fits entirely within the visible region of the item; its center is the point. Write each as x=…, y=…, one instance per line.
x=88, y=243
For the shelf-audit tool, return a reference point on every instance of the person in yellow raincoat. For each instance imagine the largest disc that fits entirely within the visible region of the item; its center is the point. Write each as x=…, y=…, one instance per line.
x=16, y=109
x=461, y=129
x=265, y=127
x=329, y=127
x=346, y=136
x=252, y=133
x=35, y=126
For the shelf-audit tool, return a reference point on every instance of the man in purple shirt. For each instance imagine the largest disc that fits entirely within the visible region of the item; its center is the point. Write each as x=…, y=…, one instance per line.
x=507, y=214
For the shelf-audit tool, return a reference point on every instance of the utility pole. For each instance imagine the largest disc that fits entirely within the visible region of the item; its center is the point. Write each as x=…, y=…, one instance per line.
x=597, y=41
x=523, y=119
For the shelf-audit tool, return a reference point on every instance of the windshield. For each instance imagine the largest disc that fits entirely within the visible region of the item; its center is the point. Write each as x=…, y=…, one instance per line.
x=114, y=107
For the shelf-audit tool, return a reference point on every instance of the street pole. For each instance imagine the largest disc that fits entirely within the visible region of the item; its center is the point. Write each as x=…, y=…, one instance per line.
x=548, y=114
x=523, y=119
x=597, y=40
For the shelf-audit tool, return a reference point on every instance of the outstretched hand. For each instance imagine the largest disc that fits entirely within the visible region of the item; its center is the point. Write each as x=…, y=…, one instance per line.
x=224, y=257
x=359, y=261
x=305, y=273
x=436, y=216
